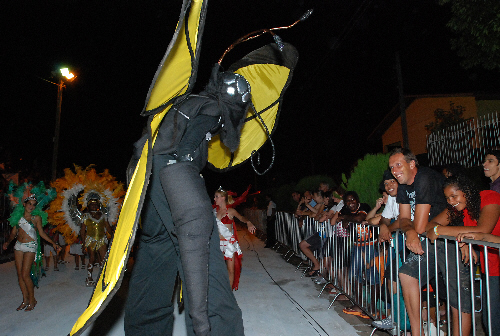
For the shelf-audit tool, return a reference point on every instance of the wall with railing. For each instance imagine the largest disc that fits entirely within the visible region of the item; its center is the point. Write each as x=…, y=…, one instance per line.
x=465, y=143
x=367, y=273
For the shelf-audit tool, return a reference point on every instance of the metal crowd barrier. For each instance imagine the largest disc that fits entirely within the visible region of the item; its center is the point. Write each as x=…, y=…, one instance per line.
x=366, y=272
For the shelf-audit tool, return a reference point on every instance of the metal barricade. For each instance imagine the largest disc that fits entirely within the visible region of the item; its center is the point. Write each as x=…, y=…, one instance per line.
x=369, y=274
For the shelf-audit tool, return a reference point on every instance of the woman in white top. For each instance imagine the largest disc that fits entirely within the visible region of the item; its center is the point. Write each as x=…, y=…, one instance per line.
x=27, y=231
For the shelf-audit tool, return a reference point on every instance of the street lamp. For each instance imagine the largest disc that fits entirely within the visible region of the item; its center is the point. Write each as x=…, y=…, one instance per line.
x=69, y=76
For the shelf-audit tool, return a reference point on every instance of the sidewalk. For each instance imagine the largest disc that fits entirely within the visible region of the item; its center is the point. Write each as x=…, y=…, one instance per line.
x=274, y=299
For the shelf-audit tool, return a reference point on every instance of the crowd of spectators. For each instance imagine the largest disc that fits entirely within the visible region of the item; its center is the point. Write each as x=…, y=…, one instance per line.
x=422, y=204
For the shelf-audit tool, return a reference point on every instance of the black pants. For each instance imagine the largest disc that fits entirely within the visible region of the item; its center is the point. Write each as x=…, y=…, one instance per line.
x=271, y=231
x=149, y=308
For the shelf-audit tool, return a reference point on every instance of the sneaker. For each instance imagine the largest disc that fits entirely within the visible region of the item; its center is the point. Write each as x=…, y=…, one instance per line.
x=385, y=324
x=320, y=280
x=433, y=330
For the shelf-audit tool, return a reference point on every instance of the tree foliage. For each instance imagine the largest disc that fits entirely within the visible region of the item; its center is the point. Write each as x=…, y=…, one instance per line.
x=366, y=177
x=477, y=25
x=446, y=118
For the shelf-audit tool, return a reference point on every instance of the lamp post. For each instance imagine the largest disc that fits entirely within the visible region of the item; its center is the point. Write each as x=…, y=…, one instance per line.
x=68, y=75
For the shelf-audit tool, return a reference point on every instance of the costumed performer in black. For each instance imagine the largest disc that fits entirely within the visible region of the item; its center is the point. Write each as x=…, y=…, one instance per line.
x=179, y=231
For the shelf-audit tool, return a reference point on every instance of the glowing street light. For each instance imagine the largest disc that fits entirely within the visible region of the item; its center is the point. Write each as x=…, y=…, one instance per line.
x=65, y=72
x=69, y=76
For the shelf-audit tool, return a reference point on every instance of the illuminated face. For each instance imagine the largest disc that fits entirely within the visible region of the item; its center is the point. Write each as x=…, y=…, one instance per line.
x=219, y=199
x=391, y=187
x=94, y=205
x=491, y=167
x=323, y=187
x=308, y=196
x=351, y=203
x=455, y=197
x=296, y=197
x=401, y=169
x=30, y=205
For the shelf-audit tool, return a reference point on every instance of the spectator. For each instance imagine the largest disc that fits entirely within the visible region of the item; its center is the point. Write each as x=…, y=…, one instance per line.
x=420, y=198
x=48, y=248
x=388, y=222
x=352, y=212
x=491, y=167
x=76, y=249
x=313, y=243
x=270, y=223
x=469, y=211
x=324, y=187
x=453, y=169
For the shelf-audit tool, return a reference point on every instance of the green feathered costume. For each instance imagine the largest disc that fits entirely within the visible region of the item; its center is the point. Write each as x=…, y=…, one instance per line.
x=43, y=197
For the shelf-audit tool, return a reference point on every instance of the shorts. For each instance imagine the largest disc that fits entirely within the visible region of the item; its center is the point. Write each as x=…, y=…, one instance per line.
x=343, y=251
x=315, y=242
x=361, y=259
x=62, y=242
x=415, y=262
x=75, y=249
x=26, y=247
x=47, y=249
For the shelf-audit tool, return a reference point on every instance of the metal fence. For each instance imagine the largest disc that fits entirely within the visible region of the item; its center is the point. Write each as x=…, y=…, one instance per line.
x=368, y=274
x=465, y=143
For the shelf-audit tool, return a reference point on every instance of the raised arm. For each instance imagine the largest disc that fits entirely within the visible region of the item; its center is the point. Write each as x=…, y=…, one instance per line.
x=233, y=213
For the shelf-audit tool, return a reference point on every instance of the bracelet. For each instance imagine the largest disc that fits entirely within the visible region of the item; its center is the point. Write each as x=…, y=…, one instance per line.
x=436, y=230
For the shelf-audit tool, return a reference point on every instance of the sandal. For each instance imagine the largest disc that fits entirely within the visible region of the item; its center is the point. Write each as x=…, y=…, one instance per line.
x=30, y=307
x=22, y=306
x=351, y=311
x=77, y=268
x=89, y=282
x=312, y=273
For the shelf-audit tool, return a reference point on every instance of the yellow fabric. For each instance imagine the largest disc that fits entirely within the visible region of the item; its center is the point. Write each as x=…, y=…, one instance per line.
x=267, y=82
x=174, y=77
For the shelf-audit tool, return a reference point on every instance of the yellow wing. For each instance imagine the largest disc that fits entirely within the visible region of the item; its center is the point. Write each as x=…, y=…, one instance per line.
x=174, y=78
x=269, y=72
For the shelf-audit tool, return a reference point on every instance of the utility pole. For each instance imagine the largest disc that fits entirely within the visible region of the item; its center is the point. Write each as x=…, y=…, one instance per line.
x=402, y=106
x=60, y=87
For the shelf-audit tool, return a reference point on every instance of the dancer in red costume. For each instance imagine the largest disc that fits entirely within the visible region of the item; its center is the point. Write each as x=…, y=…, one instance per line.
x=225, y=213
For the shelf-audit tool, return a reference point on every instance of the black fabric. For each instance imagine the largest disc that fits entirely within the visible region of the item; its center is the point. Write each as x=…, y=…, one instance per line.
x=427, y=188
x=193, y=219
x=149, y=307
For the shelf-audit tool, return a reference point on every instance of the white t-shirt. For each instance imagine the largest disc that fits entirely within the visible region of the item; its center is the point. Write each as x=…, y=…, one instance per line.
x=391, y=209
x=270, y=208
x=338, y=206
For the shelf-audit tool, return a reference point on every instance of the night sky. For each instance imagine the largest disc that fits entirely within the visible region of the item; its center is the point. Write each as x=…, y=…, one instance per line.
x=344, y=84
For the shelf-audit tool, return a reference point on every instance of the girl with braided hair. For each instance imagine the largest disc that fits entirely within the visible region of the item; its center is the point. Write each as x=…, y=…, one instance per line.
x=468, y=210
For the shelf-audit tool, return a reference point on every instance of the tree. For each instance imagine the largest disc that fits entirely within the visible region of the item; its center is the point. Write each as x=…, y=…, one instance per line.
x=446, y=118
x=477, y=25
x=366, y=177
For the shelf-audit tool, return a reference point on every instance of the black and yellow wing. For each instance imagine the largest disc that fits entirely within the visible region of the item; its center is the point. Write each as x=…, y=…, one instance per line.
x=269, y=71
x=174, y=78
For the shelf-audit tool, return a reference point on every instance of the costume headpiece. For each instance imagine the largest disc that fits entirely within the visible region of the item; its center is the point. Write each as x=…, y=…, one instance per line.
x=93, y=196
x=25, y=192
x=31, y=197
x=75, y=191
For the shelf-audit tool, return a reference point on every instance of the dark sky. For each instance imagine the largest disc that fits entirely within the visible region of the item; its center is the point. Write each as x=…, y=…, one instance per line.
x=344, y=84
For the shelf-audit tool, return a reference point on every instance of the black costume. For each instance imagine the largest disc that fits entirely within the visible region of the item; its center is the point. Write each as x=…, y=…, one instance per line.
x=166, y=190
x=179, y=228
